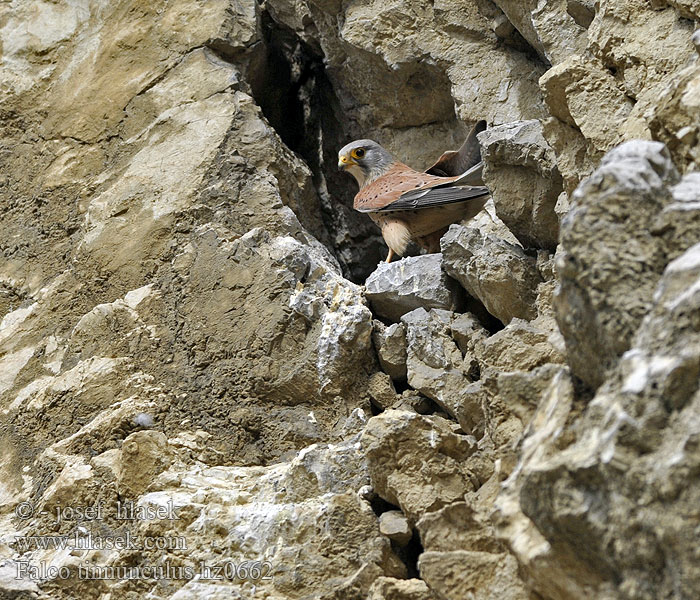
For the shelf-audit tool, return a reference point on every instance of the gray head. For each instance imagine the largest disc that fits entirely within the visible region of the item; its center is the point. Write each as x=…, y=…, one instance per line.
x=365, y=160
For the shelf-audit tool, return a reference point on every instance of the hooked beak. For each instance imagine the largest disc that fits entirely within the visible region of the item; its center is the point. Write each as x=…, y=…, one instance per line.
x=344, y=162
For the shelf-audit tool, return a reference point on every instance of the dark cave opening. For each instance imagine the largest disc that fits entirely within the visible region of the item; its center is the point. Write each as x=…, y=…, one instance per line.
x=290, y=68
x=410, y=551
x=409, y=555
x=296, y=96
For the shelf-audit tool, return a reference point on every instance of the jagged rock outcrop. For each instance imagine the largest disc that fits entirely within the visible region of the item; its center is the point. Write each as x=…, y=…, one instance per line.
x=400, y=444
x=397, y=288
x=521, y=172
x=601, y=299
x=500, y=274
x=635, y=440
x=438, y=368
x=194, y=322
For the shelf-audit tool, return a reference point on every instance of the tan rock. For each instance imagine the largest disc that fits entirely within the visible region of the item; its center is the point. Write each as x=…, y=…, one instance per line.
x=399, y=445
x=598, y=305
x=496, y=272
x=459, y=574
x=175, y=326
x=549, y=28
x=390, y=343
x=521, y=172
x=674, y=119
x=144, y=455
x=583, y=94
x=437, y=368
x=394, y=525
x=457, y=527
x=381, y=390
x=520, y=346
x=387, y=588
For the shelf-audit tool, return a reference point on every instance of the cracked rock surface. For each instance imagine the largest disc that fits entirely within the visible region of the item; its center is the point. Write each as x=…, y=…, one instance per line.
x=195, y=327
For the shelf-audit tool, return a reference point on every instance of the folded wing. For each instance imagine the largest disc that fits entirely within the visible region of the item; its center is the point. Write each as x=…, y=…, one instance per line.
x=456, y=190
x=453, y=162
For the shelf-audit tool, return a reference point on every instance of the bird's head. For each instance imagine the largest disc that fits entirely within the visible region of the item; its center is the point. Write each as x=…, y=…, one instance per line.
x=365, y=160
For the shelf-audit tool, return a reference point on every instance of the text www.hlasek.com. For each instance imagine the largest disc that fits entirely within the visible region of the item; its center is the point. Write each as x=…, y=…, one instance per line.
x=90, y=542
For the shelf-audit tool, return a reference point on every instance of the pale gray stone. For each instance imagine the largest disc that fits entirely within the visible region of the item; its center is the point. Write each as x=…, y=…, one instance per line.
x=437, y=368
x=520, y=169
x=390, y=343
x=498, y=273
x=399, y=287
x=610, y=261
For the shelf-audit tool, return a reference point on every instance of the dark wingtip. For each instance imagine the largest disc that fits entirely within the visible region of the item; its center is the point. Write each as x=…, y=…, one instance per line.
x=455, y=163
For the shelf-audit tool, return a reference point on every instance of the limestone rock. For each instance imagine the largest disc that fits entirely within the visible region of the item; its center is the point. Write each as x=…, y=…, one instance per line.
x=390, y=343
x=437, y=368
x=399, y=287
x=387, y=588
x=415, y=401
x=467, y=332
x=523, y=390
x=457, y=526
x=488, y=577
x=394, y=525
x=542, y=442
x=624, y=82
x=496, y=272
x=615, y=33
x=634, y=440
x=144, y=455
x=399, y=445
x=520, y=346
x=679, y=221
x=674, y=120
x=381, y=390
x=610, y=261
x=548, y=27
x=577, y=87
x=251, y=507
x=521, y=172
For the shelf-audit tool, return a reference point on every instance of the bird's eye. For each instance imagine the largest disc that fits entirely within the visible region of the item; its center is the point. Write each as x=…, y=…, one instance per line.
x=358, y=153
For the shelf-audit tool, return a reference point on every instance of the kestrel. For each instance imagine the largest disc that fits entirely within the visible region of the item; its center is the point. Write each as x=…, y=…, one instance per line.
x=410, y=205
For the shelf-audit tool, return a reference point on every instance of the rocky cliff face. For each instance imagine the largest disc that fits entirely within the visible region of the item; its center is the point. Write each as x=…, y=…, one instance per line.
x=202, y=399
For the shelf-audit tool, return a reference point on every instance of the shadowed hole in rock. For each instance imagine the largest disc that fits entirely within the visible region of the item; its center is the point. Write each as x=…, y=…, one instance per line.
x=401, y=385
x=431, y=407
x=409, y=555
x=487, y=320
x=380, y=506
x=375, y=408
x=292, y=88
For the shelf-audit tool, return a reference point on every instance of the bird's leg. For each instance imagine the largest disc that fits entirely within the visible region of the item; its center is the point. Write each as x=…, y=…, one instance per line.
x=390, y=255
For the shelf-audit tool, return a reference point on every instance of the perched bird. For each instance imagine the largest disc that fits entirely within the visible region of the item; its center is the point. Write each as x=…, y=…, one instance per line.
x=410, y=205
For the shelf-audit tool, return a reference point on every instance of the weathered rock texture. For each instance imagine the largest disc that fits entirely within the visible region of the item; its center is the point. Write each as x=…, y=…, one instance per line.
x=185, y=334
x=397, y=288
x=601, y=302
x=521, y=172
x=496, y=272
